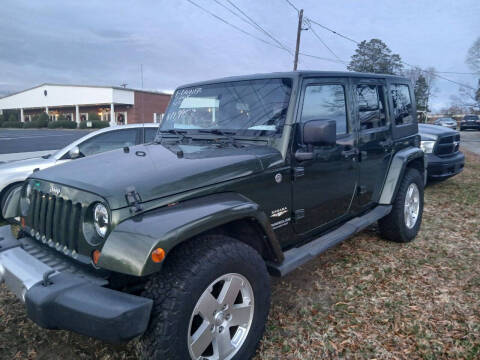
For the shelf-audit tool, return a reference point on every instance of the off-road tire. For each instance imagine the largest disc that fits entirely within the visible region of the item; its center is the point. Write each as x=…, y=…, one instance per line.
x=393, y=226
x=187, y=272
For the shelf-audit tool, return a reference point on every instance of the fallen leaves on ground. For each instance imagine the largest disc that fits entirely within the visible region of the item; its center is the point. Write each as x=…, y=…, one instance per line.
x=364, y=299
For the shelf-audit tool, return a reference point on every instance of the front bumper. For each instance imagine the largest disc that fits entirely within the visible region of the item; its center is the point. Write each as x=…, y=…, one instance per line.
x=470, y=125
x=63, y=300
x=445, y=167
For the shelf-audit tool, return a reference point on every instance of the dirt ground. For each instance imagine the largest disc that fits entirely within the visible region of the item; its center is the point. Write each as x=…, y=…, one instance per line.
x=364, y=299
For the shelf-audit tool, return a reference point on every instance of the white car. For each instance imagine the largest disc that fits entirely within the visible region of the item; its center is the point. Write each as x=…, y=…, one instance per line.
x=12, y=174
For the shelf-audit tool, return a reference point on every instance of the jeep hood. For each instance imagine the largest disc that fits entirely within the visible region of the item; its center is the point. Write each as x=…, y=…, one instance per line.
x=160, y=170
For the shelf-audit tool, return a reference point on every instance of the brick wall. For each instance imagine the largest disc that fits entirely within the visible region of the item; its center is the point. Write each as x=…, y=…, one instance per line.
x=146, y=104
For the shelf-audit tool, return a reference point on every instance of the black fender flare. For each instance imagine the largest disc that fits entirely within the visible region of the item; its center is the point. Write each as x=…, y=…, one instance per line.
x=129, y=246
x=399, y=163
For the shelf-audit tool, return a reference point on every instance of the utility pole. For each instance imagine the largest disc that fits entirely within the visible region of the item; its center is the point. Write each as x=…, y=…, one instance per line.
x=299, y=31
x=141, y=73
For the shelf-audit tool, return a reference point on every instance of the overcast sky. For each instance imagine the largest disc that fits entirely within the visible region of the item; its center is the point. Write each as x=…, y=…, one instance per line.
x=104, y=42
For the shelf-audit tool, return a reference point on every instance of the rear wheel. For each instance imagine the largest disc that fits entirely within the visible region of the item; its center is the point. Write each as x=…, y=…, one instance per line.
x=403, y=222
x=211, y=301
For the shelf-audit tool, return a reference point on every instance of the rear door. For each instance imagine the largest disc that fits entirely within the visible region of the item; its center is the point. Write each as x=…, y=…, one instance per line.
x=323, y=187
x=375, y=141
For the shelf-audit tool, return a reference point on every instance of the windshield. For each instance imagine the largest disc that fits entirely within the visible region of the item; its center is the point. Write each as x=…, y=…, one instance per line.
x=249, y=108
x=471, y=117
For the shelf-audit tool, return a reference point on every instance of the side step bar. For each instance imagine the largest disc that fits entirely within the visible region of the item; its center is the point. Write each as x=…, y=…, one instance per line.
x=300, y=255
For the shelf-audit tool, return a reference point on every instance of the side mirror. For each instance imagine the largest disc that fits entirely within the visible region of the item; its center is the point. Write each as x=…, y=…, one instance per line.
x=320, y=132
x=75, y=153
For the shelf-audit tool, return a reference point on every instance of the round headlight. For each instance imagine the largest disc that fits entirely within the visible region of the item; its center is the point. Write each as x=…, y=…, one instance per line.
x=100, y=219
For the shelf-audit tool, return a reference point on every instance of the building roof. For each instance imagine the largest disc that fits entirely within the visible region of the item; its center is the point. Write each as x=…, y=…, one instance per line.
x=89, y=86
x=61, y=95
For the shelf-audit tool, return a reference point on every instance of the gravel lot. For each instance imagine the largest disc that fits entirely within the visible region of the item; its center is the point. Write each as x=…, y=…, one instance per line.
x=364, y=299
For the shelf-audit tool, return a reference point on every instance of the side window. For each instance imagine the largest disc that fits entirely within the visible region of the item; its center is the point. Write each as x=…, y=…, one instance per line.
x=371, y=106
x=326, y=102
x=108, y=141
x=150, y=134
x=402, y=104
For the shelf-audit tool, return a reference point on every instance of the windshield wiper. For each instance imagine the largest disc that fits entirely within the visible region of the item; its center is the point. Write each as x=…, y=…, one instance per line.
x=179, y=133
x=227, y=134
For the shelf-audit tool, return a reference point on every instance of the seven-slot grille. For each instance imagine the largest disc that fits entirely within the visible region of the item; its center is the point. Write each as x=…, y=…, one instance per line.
x=447, y=145
x=55, y=221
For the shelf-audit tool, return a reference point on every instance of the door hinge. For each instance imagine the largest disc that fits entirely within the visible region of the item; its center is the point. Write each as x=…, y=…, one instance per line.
x=133, y=199
x=298, y=171
x=298, y=215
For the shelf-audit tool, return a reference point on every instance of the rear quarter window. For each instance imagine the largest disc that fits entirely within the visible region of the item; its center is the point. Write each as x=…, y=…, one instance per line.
x=402, y=104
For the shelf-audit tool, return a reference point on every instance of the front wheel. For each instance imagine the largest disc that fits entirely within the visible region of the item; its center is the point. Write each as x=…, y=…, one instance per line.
x=211, y=301
x=403, y=222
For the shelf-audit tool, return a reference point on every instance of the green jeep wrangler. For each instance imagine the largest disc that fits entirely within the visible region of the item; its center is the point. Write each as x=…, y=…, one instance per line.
x=174, y=241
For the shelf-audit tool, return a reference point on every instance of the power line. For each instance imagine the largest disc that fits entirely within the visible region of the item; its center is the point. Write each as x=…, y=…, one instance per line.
x=253, y=36
x=323, y=42
x=293, y=6
x=234, y=26
x=333, y=31
x=435, y=73
x=321, y=58
x=259, y=27
x=458, y=73
x=234, y=13
x=403, y=62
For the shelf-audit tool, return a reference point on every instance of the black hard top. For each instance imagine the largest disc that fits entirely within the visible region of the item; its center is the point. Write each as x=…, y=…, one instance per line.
x=298, y=74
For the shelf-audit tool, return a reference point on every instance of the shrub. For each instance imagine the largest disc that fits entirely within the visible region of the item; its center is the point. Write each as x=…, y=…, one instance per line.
x=31, y=124
x=13, y=117
x=12, y=124
x=83, y=125
x=97, y=124
x=66, y=124
x=43, y=117
x=38, y=121
x=93, y=116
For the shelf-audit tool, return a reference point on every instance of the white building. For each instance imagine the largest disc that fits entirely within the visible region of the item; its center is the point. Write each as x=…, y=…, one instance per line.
x=117, y=105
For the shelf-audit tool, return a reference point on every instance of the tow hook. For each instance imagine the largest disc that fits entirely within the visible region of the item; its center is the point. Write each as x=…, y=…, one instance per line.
x=46, y=276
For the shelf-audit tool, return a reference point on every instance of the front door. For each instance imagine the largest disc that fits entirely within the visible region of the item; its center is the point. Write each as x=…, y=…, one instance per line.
x=323, y=187
x=374, y=140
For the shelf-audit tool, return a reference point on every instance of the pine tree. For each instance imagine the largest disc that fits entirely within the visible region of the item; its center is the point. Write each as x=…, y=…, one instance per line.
x=422, y=93
x=374, y=56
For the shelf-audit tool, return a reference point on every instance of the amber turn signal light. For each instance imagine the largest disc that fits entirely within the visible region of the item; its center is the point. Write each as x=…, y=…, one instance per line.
x=96, y=256
x=158, y=255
